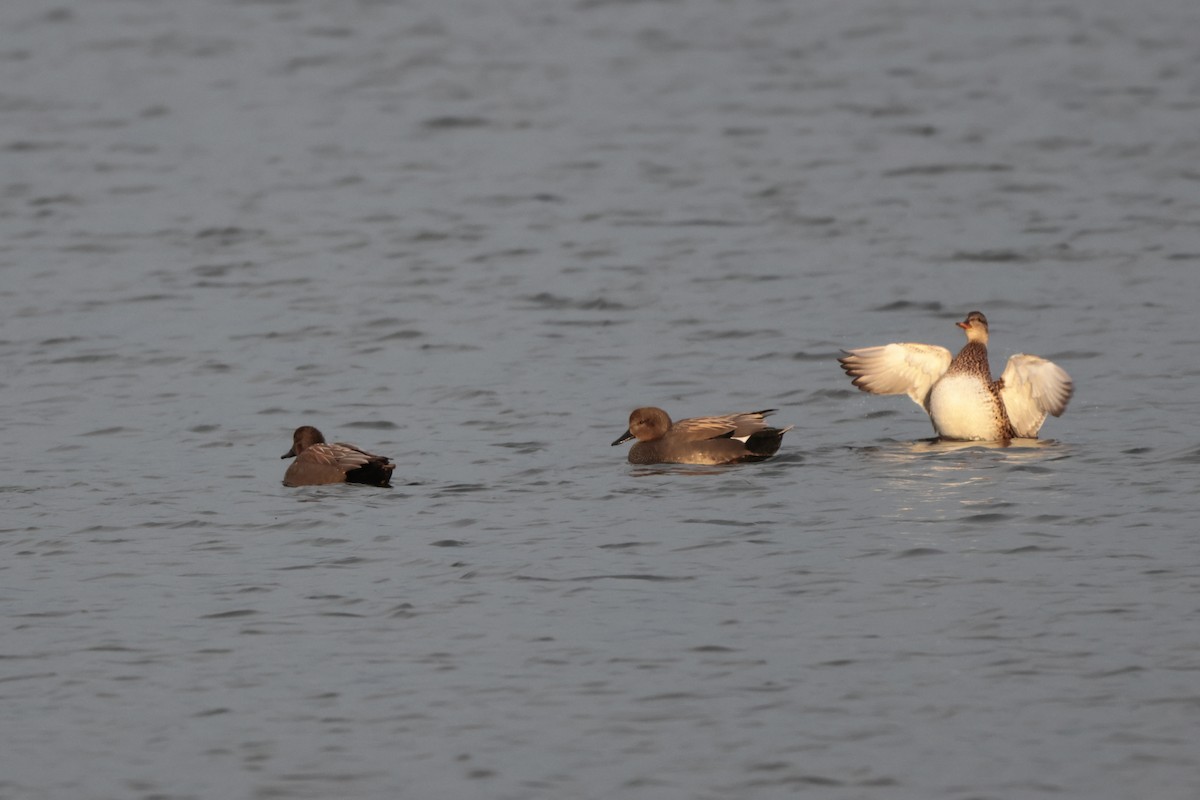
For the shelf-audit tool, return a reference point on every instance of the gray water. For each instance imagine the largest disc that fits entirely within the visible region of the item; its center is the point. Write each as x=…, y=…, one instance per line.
x=472, y=235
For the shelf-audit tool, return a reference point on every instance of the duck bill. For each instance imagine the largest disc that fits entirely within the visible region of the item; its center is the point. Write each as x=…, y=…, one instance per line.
x=624, y=437
x=289, y=454
x=962, y=325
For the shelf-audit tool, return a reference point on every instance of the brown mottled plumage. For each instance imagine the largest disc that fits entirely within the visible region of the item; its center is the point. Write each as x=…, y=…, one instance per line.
x=700, y=440
x=318, y=462
x=962, y=400
x=972, y=363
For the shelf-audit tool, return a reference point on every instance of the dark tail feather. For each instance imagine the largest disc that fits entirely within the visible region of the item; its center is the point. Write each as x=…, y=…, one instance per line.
x=374, y=473
x=765, y=443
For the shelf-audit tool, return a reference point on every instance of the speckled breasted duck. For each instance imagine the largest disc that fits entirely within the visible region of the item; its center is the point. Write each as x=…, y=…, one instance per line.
x=700, y=440
x=959, y=394
x=319, y=462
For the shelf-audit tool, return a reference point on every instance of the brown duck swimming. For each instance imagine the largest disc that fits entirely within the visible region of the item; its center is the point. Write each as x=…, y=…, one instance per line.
x=318, y=462
x=700, y=440
x=958, y=393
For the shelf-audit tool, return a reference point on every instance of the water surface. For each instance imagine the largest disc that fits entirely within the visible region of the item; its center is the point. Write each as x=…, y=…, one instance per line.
x=474, y=235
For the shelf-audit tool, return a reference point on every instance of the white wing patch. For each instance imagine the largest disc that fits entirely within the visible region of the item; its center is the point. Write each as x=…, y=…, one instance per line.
x=1033, y=388
x=898, y=368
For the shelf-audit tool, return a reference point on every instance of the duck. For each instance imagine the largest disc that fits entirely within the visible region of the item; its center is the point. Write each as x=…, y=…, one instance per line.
x=958, y=393
x=725, y=439
x=319, y=462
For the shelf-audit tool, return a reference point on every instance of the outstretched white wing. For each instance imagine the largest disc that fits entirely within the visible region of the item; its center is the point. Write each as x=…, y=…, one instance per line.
x=1033, y=387
x=898, y=368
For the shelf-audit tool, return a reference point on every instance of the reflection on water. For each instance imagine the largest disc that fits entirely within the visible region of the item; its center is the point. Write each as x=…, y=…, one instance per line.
x=973, y=482
x=678, y=469
x=1010, y=446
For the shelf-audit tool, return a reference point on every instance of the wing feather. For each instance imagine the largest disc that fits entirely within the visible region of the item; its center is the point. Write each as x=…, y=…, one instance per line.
x=339, y=454
x=897, y=368
x=734, y=426
x=1032, y=388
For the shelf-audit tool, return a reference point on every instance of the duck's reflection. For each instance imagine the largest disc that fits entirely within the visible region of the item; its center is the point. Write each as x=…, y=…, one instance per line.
x=936, y=480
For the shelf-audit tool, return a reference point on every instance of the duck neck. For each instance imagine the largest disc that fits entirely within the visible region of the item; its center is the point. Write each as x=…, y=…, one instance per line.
x=973, y=358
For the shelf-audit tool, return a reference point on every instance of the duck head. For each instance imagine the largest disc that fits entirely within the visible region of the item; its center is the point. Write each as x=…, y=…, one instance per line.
x=646, y=424
x=975, y=326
